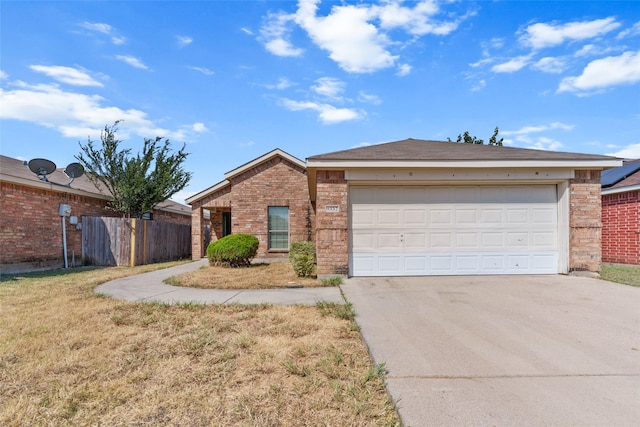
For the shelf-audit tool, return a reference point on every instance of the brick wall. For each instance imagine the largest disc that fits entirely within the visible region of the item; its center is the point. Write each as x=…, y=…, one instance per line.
x=585, y=225
x=31, y=230
x=276, y=182
x=621, y=228
x=332, y=234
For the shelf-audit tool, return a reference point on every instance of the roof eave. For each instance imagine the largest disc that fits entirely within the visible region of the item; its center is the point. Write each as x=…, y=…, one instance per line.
x=616, y=190
x=567, y=164
x=266, y=157
x=204, y=193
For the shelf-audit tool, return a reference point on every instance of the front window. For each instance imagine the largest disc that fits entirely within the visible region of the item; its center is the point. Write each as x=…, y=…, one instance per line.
x=279, y=227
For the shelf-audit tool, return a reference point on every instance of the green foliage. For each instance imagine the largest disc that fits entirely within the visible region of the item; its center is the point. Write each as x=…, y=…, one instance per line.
x=135, y=184
x=468, y=139
x=302, y=256
x=332, y=281
x=234, y=250
x=341, y=311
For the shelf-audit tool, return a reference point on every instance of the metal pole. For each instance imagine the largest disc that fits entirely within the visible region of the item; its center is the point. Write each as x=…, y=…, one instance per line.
x=64, y=243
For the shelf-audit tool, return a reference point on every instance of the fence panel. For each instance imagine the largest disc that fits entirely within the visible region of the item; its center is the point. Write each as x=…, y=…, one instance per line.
x=127, y=242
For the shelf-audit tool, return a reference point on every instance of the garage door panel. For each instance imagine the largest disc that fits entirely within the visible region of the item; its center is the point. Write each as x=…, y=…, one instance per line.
x=389, y=241
x=415, y=241
x=439, y=217
x=362, y=217
x=454, y=230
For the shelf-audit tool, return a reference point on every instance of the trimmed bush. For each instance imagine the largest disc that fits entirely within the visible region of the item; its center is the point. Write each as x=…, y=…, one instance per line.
x=302, y=256
x=234, y=250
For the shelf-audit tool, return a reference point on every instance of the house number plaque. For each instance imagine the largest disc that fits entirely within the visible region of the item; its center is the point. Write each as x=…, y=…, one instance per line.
x=332, y=208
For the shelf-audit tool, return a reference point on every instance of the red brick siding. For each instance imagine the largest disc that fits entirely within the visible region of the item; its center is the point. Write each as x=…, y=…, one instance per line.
x=585, y=225
x=332, y=234
x=621, y=228
x=276, y=182
x=31, y=230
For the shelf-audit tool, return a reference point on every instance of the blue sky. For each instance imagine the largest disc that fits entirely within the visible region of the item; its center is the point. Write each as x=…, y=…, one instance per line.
x=237, y=79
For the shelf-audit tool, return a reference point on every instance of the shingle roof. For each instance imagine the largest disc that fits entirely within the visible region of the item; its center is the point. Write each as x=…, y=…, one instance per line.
x=14, y=170
x=418, y=149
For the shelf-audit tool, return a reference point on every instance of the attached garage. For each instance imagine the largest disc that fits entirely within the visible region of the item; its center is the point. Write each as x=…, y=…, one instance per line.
x=417, y=207
x=453, y=230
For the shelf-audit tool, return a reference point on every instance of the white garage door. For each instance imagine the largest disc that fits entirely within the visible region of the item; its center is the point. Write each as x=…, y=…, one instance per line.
x=413, y=231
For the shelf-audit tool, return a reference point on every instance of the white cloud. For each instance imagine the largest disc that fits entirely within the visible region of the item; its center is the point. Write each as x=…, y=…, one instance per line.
x=104, y=29
x=528, y=136
x=203, y=70
x=631, y=151
x=550, y=65
x=346, y=33
x=512, y=65
x=133, y=61
x=184, y=40
x=3, y=75
x=369, y=98
x=97, y=26
x=526, y=130
x=417, y=20
x=246, y=31
x=481, y=84
x=275, y=35
x=328, y=114
x=544, y=143
x=282, y=84
x=329, y=87
x=629, y=32
x=543, y=35
x=603, y=73
x=199, y=127
x=356, y=36
x=404, y=70
x=67, y=75
x=78, y=115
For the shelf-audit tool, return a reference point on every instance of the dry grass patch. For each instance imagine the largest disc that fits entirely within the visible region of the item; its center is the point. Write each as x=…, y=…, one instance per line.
x=258, y=276
x=69, y=357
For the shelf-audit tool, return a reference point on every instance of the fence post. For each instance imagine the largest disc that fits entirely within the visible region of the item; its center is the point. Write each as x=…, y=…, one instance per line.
x=132, y=262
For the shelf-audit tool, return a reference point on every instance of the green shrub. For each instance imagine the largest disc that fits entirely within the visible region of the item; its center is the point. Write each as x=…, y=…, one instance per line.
x=302, y=256
x=234, y=250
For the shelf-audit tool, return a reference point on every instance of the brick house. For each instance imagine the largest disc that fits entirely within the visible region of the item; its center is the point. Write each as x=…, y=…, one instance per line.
x=416, y=207
x=30, y=227
x=267, y=197
x=621, y=214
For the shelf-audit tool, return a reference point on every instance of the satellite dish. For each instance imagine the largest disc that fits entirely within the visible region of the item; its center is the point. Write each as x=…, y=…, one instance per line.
x=42, y=168
x=74, y=170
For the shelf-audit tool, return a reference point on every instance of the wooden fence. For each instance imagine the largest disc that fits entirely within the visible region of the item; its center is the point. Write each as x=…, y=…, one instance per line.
x=129, y=242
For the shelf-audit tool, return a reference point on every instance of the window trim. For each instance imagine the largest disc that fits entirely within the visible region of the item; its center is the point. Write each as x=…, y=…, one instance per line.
x=270, y=231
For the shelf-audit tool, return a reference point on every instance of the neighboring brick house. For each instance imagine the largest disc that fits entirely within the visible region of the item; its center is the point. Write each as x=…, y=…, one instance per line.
x=267, y=197
x=30, y=227
x=621, y=214
x=417, y=207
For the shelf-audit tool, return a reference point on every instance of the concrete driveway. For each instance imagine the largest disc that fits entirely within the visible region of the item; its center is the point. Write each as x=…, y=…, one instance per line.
x=504, y=350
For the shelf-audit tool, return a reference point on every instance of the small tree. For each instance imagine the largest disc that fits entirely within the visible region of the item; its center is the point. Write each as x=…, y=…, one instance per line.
x=135, y=184
x=468, y=139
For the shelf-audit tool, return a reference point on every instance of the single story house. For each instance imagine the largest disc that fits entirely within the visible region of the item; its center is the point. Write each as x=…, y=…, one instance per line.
x=621, y=214
x=416, y=207
x=31, y=236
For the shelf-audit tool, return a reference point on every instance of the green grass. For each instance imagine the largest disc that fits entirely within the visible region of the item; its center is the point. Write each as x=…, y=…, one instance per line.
x=625, y=274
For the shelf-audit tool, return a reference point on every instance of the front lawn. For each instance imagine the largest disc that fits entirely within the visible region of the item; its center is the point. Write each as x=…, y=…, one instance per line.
x=71, y=357
x=625, y=274
x=256, y=276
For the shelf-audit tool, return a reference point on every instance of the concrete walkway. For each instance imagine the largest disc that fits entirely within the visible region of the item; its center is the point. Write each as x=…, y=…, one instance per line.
x=149, y=287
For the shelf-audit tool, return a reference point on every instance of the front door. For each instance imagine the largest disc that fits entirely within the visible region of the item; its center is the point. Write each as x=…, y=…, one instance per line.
x=226, y=223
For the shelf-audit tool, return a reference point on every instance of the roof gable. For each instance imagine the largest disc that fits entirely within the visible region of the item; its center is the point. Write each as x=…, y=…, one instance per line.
x=244, y=168
x=427, y=150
